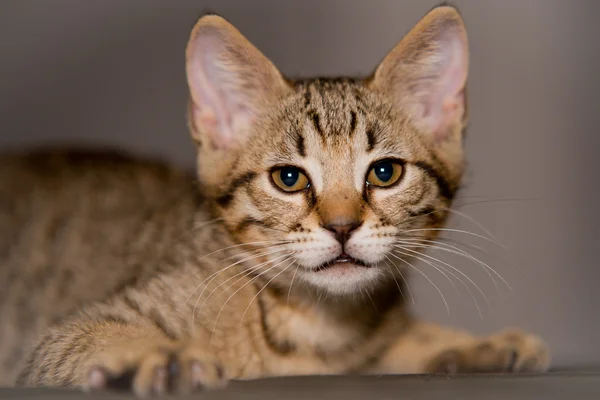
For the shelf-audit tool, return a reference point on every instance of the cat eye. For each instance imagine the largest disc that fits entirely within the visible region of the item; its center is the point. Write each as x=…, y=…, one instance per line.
x=384, y=173
x=290, y=179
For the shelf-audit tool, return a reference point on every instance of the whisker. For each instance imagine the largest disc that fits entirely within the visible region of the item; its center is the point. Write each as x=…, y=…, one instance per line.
x=292, y=283
x=214, y=275
x=263, y=288
x=440, y=269
x=246, y=244
x=449, y=266
x=277, y=246
x=476, y=223
x=488, y=200
x=242, y=287
x=457, y=270
x=370, y=298
x=426, y=277
x=402, y=277
x=205, y=223
x=257, y=244
x=396, y=281
x=455, y=231
x=243, y=272
x=458, y=251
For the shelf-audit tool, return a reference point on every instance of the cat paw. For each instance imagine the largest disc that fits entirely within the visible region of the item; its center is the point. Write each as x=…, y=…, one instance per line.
x=155, y=371
x=510, y=351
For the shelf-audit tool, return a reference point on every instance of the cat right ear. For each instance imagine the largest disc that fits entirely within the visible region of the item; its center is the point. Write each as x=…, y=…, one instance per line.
x=426, y=73
x=231, y=82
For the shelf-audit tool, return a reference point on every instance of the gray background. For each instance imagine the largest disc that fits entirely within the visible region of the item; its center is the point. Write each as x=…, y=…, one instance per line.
x=111, y=72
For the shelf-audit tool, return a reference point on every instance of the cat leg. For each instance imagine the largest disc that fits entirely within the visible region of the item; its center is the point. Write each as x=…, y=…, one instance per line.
x=115, y=355
x=430, y=348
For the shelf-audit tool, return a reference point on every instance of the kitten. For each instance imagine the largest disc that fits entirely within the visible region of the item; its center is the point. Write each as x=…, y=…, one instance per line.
x=279, y=260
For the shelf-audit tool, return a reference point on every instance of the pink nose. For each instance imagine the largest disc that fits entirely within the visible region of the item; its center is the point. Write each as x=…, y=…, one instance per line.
x=342, y=231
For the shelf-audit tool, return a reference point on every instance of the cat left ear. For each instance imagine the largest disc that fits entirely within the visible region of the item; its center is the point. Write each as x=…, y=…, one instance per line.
x=231, y=82
x=426, y=73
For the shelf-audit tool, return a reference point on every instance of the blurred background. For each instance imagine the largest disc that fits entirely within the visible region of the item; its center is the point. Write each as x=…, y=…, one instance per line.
x=111, y=73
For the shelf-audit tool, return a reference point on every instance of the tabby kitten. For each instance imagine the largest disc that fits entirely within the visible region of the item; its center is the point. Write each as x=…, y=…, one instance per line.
x=278, y=261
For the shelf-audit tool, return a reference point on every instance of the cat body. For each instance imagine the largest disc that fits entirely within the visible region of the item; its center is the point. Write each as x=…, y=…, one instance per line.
x=281, y=257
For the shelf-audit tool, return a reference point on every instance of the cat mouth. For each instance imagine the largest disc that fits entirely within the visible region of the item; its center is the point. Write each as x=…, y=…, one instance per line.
x=341, y=260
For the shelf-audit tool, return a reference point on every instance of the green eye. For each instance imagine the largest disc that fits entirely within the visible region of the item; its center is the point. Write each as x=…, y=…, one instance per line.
x=290, y=179
x=384, y=173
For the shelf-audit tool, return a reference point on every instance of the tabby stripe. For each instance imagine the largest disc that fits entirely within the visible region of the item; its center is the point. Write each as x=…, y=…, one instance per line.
x=67, y=352
x=158, y=320
x=420, y=212
x=43, y=359
x=280, y=348
x=246, y=222
x=133, y=305
x=307, y=97
x=226, y=199
x=370, y=361
x=352, y=122
x=371, y=140
x=153, y=315
x=300, y=144
x=314, y=116
x=114, y=319
x=443, y=185
x=33, y=358
x=311, y=199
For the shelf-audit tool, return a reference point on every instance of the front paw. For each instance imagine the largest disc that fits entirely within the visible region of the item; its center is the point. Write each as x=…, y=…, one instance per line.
x=155, y=370
x=510, y=351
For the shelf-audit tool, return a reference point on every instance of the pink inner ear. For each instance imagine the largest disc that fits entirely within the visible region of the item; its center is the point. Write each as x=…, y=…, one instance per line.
x=445, y=102
x=228, y=82
x=213, y=93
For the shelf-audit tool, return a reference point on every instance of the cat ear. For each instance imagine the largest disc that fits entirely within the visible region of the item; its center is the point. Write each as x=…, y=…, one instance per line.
x=230, y=82
x=426, y=73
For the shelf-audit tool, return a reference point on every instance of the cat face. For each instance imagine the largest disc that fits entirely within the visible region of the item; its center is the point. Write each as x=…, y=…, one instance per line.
x=324, y=177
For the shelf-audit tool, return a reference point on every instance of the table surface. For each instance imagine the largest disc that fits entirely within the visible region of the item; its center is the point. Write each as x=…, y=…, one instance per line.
x=555, y=385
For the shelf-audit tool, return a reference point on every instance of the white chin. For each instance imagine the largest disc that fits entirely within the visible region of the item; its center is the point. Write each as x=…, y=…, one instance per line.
x=344, y=278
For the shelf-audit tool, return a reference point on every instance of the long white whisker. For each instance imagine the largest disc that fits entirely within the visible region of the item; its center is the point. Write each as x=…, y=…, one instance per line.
x=426, y=277
x=247, y=244
x=292, y=283
x=476, y=223
x=395, y=280
x=402, y=277
x=455, y=231
x=449, y=266
x=263, y=288
x=214, y=275
x=440, y=269
x=454, y=275
x=243, y=286
x=243, y=272
x=458, y=251
x=205, y=223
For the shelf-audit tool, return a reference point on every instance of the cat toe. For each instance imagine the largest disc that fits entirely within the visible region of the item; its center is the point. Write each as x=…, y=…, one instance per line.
x=511, y=351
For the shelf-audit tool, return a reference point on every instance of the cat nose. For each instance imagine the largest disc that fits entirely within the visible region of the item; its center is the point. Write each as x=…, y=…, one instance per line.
x=342, y=229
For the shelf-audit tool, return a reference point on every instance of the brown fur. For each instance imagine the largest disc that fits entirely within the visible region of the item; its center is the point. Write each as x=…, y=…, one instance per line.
x=120, y=271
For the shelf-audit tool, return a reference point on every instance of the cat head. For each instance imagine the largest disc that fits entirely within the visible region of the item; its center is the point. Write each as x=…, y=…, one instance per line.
x=326, y=177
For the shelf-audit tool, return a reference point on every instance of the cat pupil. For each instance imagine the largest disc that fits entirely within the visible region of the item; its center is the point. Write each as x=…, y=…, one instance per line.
x=384, y=171
x=289, y=176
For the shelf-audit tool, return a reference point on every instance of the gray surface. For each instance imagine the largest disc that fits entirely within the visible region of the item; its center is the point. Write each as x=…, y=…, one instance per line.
x=552, y=386
x=111, y=72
